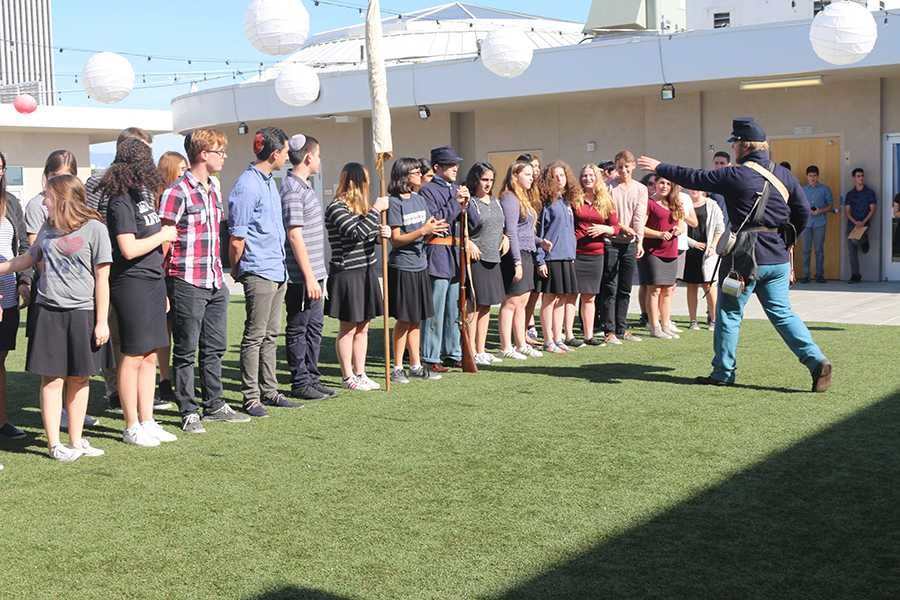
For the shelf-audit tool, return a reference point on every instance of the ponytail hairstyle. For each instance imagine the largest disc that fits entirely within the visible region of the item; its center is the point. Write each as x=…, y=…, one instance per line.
x=70, y=211
x=353, y=188
x=473, y=178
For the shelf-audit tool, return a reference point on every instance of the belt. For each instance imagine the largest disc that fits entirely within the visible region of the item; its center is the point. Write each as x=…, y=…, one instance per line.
x=762, y=230
x=443, y=241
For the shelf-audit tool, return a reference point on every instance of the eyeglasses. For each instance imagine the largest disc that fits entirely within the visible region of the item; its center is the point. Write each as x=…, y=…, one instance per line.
x=219, y=152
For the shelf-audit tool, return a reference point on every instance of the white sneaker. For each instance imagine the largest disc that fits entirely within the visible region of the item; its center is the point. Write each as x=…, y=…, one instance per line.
x=493, y=359
x=89, y=421
x=137, y=435
x=482, y=360
x=353, y=383
x=530, y=351
x=88, y=450
x=658, y=332
x=513, y=354
x=156, y=431
x=368, y=384
x=671, y=328
x=64, y=454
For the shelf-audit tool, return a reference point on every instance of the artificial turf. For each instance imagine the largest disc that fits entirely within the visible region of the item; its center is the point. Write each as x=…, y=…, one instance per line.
x=604, y=473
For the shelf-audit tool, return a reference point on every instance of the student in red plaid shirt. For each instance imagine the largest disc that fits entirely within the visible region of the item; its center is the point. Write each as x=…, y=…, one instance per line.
x=196, y=286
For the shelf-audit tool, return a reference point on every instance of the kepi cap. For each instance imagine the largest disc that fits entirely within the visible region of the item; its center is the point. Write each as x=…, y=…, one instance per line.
x=746, y=129
x=445, y=155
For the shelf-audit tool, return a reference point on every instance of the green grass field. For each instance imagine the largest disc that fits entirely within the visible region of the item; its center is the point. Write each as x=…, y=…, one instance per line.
x=600, y=474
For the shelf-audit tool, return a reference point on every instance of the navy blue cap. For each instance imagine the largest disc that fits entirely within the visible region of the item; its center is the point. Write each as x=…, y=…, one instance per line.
x=746, y=129
x=445, y=155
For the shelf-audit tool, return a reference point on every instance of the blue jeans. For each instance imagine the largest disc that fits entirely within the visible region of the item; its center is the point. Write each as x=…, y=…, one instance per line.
x=440, y=332
x=771, y=287
x=814, y=237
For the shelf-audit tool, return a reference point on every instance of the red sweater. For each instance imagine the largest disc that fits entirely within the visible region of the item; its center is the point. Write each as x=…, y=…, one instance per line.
x=660, y=218
x=586, y=216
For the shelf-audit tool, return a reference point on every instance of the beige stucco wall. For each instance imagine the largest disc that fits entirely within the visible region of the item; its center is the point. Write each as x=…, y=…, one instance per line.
x=29, y=151
x=687, y=130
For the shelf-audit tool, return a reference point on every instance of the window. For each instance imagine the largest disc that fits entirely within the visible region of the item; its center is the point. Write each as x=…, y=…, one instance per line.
x=13, y=176
x=721, y=19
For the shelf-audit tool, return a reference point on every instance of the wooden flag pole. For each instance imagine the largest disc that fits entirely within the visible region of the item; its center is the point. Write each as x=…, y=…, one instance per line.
x=382, y=191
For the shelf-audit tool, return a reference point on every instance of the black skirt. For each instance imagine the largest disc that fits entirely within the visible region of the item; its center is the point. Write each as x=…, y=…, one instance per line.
x=693, y=266
x=9, y=329
x=508, y=271
x=62, y=344
x=141, y=310
x=410, y=295
x=487, y=281
x=561, y=278
x=354, y=295
x=654, y=270
x=589, y=271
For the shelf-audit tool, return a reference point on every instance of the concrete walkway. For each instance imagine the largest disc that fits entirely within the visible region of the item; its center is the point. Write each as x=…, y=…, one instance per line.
x=837, y=302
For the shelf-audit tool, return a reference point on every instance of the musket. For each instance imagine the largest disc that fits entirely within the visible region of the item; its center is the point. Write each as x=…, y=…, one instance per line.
x=468, y=352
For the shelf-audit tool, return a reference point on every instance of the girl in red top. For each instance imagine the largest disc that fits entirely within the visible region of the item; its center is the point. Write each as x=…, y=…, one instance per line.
x=659, y=267
x=595, y=219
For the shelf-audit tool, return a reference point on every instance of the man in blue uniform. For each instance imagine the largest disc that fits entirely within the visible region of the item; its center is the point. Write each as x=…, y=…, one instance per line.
x=741, y=185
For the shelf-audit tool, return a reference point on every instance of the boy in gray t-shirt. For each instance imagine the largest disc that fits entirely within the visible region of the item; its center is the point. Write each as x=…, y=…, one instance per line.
x=67, y=264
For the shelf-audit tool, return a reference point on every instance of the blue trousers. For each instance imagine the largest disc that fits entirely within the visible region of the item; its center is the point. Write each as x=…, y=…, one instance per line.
x=771, y=287
x=440, y=333
x=814, y=238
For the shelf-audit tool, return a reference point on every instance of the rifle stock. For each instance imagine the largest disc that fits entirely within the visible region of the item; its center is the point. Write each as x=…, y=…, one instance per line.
x=468, y=352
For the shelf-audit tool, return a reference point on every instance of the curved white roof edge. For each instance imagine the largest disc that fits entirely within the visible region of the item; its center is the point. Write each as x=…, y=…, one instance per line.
x=86, y=119
x=778, y=49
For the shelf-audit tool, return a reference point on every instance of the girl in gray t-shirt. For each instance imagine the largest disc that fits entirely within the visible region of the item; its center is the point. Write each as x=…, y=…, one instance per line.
x=70, y=331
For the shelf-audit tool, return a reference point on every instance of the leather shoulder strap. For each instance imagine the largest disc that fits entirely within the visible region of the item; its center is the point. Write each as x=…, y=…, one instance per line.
x=770, y=177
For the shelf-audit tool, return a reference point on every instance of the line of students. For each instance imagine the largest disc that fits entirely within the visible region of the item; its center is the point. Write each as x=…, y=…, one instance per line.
x=154, y=257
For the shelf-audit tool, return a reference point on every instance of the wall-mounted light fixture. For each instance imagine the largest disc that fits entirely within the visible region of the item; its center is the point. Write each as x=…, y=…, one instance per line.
x=424, y=112
x=243, y=129
x=667, y=92
x=787, y=82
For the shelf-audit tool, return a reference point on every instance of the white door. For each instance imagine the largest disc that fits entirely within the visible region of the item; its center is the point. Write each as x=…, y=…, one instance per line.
x=889, y=208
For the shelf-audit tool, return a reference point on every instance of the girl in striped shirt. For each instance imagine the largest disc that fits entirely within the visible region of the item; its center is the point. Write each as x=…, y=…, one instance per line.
x=354, y=294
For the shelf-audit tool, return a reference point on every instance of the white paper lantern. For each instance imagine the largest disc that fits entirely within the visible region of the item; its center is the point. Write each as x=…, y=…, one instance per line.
x=297, y=85
x=843, y=33
x=276, y=26
x=108, y=77
x=506, y=52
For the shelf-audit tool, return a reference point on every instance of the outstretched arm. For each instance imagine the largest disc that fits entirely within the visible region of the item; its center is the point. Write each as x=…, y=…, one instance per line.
x=693, y=179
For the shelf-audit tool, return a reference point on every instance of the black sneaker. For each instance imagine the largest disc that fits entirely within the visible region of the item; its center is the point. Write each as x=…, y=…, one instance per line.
x=225, y=414
x=821, y=376
x=165, y=391
x=308, y=392
x=324, y=389
x=11, y=432
x=595, y=341
x=256, y=409
x=707, y=380
x=190, y=423
x=574, y=343
x=279, y=400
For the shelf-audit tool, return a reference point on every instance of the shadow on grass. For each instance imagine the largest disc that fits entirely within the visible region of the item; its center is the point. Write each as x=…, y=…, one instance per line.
x=622, y=372
x=293, y=592
x=817, y=520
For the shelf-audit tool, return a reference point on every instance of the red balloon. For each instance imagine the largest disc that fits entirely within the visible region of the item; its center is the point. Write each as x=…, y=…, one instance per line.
x=25, y=103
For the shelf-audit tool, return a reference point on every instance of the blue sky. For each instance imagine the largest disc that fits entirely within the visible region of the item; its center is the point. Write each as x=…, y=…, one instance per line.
x=203, y=29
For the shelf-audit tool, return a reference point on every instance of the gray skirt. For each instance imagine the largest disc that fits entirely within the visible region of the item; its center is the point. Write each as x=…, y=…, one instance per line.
x=654, y=270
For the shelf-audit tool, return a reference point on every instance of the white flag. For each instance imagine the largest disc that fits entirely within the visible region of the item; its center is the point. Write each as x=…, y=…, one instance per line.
x=381, y=112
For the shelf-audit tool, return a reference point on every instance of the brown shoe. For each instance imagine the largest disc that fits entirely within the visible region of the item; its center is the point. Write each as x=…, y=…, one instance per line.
x=437, y=368
x=821, y=376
